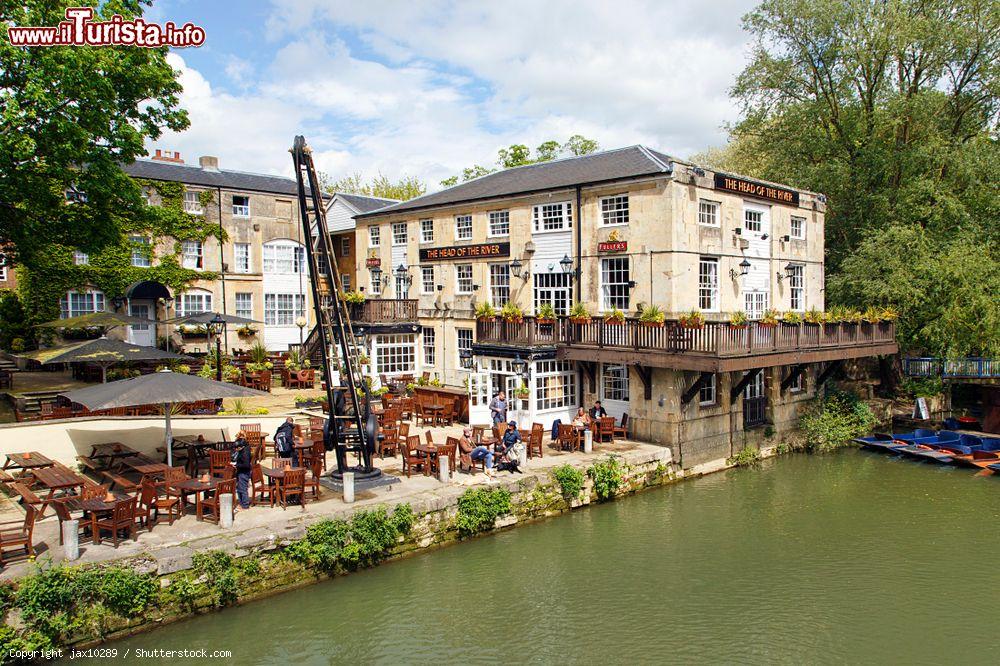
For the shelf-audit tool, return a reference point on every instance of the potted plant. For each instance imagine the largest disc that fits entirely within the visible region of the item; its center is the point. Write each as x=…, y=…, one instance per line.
x=872, y=315
x=739, y=319
x=614, y=316
x=579, y=314
x=693, y=319
x=197, y=331
x=522, y=392
x=363, y=359
x=769, y=318
x=353, y=297
x=305, y=401
x=246, y=331
x=486, y=312
x=546, y=314
x=835, y=315
x=854, y=316
x=791, y=317
x=511, y=313
x=652, y=316
x=813, y=316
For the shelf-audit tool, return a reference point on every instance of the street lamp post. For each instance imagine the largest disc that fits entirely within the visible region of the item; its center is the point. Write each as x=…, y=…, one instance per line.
x=216, y=325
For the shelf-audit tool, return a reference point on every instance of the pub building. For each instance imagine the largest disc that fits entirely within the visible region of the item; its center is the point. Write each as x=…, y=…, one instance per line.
x=620, y=229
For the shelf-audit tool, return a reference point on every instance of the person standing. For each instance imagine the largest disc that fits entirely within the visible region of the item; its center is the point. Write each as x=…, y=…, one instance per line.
x=498, y=408
x=241, y=460
x=284, y=439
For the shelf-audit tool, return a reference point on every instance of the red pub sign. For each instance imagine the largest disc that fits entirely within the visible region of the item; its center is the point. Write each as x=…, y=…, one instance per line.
x=758, y=190
x=612, y=246
x=482, y=251
x=373, y=262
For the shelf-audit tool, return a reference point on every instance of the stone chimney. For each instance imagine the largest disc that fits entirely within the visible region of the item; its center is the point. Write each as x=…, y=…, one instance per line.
x=209, y=163
x=168, y=156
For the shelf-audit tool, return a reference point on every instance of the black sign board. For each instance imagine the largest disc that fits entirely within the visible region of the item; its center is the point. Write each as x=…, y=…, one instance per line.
x=749, y=188
x=483, y=251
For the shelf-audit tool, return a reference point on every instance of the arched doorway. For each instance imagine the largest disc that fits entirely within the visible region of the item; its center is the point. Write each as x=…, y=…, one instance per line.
x=142, y=299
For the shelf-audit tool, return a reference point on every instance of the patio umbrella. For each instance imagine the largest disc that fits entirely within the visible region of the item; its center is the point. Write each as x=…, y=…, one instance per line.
x=210, y=318
x=95, y=320
x=103, y=351
x=162, y=387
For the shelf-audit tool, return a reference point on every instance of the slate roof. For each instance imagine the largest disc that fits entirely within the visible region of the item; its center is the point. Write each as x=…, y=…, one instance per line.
x=364, y=204
x=194, y=175
x=608, y=165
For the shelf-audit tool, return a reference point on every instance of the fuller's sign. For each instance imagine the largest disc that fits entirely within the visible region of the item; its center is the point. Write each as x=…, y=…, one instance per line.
x=612, y=246
x=373, y=260
x=483, y=251
x=757, y=190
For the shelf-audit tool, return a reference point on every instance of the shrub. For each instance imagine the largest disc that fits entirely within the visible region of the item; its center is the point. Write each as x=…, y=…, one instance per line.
x=769, y=317
x=353, y=297
x=693, y=319
x=485, y=310
x=791, y=317
x=748, y=455
x=836, y=420
x=608, y=476
x=220, y=572
x=579, y=311
x=478, y=509
x=511, y=312
x=652, y=314
x=614, y=315
x=367, y=539
x=570, y=480
x=922, y=387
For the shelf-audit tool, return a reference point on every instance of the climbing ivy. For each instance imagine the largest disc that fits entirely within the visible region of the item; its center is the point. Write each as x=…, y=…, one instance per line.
x=52, y=272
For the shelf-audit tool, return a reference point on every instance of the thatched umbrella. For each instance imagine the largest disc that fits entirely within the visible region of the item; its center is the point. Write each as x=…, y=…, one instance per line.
x=103, y=351
x=162, y=387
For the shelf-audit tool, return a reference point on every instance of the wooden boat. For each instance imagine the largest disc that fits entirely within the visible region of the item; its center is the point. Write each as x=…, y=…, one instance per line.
x=890, y=443
x=925, y=452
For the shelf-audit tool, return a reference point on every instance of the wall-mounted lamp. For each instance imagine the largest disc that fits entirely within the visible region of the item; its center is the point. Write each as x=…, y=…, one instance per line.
x=475, y=287
x=403, y=275
x=117, y=303
x=631, y=284
x=378, y=275
x=520, y=367
x=744, y=269
x=789, y=268
x=465, y=359
x=517, y=270
x=566, y=264
x=763, y=236
x=440, y=287
x=785, y=239
x=737, y=231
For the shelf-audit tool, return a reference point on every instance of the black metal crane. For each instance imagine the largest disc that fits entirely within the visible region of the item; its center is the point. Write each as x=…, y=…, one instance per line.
x=352, y=426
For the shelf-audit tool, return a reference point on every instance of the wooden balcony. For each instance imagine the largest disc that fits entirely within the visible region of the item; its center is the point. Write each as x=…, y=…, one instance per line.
x=385, y=311
x=716, y=347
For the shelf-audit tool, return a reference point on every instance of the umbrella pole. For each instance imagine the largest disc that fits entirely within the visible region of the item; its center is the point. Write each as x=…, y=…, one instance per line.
x=168, y=435
x=104, y=373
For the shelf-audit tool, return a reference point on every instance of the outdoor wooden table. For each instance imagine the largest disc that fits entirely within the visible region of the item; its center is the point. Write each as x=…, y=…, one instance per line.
x=436, y=410
x=110, y=451
x=35, y=461
x=193, y=487
x=430, y=450
x=145, y=466
x=276, y=476
x=56, y=478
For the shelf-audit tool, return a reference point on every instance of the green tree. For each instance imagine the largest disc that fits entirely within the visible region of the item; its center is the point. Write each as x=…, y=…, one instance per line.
x=407, y=187
x=519, y=154
x=69, y=116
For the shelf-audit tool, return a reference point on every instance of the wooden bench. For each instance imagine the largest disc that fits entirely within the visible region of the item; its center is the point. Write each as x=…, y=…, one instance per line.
x=121, y=481
x=27, y=496
x=90, y=464
x=6, y=478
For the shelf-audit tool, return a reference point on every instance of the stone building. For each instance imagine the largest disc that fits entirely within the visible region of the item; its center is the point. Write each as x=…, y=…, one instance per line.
x=620, y=229
x=340, y=214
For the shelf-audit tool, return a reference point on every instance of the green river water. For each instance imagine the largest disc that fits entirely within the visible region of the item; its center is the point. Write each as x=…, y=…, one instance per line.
x=852, y=557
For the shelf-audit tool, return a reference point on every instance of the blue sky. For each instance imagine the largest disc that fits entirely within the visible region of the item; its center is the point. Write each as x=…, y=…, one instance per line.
x=427, y=88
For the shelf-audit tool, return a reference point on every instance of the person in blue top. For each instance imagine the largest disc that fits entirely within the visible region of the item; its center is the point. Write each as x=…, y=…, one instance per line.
x=509, y=449
x=498, y=408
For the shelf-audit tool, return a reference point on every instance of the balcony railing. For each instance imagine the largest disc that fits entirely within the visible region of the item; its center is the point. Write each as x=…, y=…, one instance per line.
x=713, y=339
x=385, y=310
x=971, y=367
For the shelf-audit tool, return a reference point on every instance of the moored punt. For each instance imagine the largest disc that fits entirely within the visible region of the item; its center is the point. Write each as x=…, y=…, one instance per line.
x=883, y=442
x=995, y=468
x=977, y=459
x=925, y=452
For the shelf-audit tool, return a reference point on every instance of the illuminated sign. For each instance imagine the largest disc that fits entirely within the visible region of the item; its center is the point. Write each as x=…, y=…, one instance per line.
x=757, y=190
x=484, y=251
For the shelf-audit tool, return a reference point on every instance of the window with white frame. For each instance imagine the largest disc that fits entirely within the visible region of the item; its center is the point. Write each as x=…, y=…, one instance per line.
x=555, y=385
x=374, y=236
x=430, y=351
x=320, y=261
x=614, y=210
x=241, y=257
x=192, y=302
x=799, y=384
x=345, y=281
x=284, y=257
x=499, y=283
x=553, y=216
x=375, y=282
x=283, y=309
x=426, y=279
x=75, y=303
x=140, y=251
x=192, y=254
x=399, y=233
x=463, y=227
x=614, y=283
x=345, y=246
x=555, y=289
x=241, y=206
x=499, y=222
x=798, y=228
x=81, y=258
x=614, y=382
x=797, y=284
x=244, y=304
x=708, y=213
x=755, y=303
x=402, y=286
x=394, y=354
x=3, y=273
x=144, y=192
x=708, y=284
x=426, y=231
x=464, y=338
x=753, y=220
x=192, y=204
x=463, y=279
x=707, y=393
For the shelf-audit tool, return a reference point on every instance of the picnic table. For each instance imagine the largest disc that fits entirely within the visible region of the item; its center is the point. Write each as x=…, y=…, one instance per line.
x=28, y=460
x=56, y=478
x=110, y=451
x=144, y=465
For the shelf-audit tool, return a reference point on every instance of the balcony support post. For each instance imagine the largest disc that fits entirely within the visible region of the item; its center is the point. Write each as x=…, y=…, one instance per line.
x=646, y=375
x=742, y=384
x=827, y=373
x=590, y=369
x=703, y=379
x=792, y=376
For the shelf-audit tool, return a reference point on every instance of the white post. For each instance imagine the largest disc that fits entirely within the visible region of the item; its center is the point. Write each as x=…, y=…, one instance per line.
x=444, y=470
x=588, y=441
x=349, y=487
x=168, y=435
x=71, y=539
x=226, y=511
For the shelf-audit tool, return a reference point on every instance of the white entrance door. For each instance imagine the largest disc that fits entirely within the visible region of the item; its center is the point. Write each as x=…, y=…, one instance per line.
x=518, y=408
x=479, y=398
x=757, y=281
x=142, y=334
x=614, y=389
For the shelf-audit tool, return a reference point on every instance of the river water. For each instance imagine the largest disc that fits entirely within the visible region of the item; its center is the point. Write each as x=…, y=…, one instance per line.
x=852, y=557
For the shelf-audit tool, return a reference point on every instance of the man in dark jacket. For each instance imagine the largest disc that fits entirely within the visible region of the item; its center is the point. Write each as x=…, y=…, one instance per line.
x=597, y=411
x=284, y=441
x=244, y=465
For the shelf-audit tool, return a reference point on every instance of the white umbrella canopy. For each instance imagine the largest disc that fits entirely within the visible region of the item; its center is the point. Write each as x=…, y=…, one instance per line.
x=164, y=387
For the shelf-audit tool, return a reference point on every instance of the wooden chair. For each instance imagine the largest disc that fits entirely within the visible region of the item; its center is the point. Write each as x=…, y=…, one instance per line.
x=93, y=491
x=605, y=429
x=568, y=437
x=428, y=437
x=411, y=457
x=465, y=461
x=212, y=504
x=172, y=476
x=150, y=505
x=18, y=533
x=122, y=519
x=389, y=442
x=319, y=453
x=406, y=408
x=218, y=462
x=261, y=492
x=448, y=451
x=281, y=463
x=253, y=433
x=477, y=434
x=535, y=440
x=293, y=485
x=622, y=430
x=312, y=482
x=404, y=430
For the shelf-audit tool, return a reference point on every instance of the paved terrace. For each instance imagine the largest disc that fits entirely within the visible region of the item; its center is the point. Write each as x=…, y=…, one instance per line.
x=171, y=546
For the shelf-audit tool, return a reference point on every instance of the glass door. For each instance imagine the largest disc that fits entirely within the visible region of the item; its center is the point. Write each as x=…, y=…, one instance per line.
x=479, y=398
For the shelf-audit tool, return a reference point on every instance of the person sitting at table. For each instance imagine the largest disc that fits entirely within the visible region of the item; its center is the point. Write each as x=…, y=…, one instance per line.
x=241, y=460
x=509, y=449
x=284, y=441
x=597, y=411
x=582, y=418
x=498, y=408
x=476, y=453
